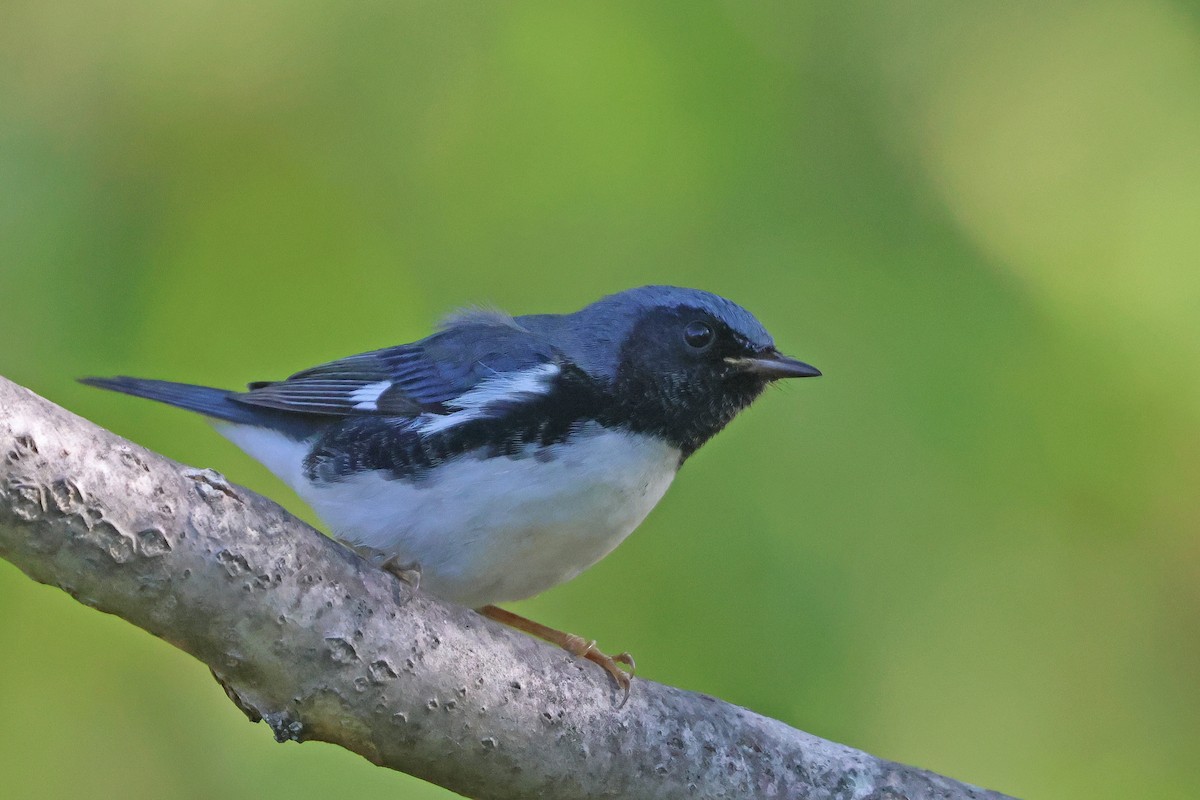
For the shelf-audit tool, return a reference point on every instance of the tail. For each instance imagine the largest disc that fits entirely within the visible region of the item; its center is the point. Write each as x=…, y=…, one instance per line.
x=279, y=439
x=216, y=403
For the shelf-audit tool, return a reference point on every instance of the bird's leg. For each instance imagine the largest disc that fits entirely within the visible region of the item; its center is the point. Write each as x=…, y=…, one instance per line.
x=576, y=645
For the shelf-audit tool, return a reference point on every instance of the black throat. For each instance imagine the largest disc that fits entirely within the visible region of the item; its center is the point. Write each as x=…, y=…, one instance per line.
x=677, y=410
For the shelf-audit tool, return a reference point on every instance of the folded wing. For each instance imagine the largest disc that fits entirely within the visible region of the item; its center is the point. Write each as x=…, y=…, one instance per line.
x=476, y=364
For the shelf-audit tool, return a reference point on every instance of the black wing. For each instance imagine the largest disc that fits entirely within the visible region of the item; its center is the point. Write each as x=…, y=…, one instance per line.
x=420, y=378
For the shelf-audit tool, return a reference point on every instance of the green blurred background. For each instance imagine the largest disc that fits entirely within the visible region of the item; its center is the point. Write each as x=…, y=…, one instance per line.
x=972, y=546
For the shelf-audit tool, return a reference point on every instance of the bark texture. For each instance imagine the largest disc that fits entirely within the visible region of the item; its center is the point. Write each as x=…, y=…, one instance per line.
x=319, y=644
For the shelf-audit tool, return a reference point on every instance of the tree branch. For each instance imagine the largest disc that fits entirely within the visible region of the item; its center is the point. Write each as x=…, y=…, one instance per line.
x=310, y=638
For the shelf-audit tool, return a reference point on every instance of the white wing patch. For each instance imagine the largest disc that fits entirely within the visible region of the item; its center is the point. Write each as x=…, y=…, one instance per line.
x=366, y=397
x=504, y=388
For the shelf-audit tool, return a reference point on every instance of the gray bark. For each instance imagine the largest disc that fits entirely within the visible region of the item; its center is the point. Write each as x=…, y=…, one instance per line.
x=319, y=644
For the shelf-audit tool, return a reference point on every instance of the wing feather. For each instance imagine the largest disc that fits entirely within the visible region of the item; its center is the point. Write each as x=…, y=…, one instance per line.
x=466, y=362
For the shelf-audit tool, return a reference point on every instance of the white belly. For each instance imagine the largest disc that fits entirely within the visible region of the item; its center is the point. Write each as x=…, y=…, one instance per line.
x=495, y=529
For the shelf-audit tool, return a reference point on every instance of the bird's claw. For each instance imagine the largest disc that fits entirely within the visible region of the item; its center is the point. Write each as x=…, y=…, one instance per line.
x=582, y=648
x=409, y=573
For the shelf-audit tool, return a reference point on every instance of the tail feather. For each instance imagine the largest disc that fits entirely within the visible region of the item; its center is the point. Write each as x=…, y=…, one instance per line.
x=215, y=403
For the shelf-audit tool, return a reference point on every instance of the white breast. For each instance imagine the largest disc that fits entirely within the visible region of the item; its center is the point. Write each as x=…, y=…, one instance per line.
x=487, y=530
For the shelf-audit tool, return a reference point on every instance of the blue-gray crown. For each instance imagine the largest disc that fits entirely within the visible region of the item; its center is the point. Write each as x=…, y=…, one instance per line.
x=593, y=335
x=737, y=318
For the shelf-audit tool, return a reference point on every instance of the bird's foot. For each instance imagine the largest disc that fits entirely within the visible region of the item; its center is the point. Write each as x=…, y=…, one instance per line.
x=575, y=645
x=407, y=572
x=578, y=646
x=410, y=572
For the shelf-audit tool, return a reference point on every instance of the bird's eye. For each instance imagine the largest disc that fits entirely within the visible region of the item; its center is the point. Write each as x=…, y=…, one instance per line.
x=698, y=335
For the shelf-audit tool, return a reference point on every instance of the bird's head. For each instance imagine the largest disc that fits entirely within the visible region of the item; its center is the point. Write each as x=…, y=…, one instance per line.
x=680, y=363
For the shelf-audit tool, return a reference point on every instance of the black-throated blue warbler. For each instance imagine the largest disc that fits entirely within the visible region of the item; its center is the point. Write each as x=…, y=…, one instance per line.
x=503, y=455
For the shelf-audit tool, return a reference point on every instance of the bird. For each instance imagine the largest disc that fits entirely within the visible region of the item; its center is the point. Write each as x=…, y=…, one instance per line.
x=503, y=455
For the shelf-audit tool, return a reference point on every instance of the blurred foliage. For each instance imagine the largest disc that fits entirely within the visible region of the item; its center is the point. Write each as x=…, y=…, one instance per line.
x=971, y=546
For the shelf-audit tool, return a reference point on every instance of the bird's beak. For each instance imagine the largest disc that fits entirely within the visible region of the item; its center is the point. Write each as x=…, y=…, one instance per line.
x=773, y=365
